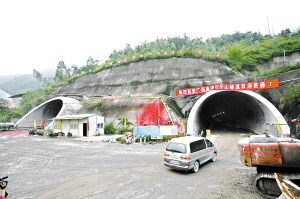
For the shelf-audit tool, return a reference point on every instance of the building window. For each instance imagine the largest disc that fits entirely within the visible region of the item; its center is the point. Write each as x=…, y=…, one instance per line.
x=74, y=126
x=100, y=126
x=55, y=126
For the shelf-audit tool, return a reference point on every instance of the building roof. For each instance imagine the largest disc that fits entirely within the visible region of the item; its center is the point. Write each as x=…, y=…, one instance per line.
x=71, y=117
x=15, y=96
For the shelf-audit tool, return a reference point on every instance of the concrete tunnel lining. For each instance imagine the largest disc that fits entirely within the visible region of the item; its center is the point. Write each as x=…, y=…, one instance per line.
x=242, y=110
x=52, y=108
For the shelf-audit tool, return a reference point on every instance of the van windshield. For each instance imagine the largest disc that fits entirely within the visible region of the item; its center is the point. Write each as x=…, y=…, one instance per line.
x=176, y=147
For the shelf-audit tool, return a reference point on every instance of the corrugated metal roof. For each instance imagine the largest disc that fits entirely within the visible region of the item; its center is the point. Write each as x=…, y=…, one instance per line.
x=71, y=117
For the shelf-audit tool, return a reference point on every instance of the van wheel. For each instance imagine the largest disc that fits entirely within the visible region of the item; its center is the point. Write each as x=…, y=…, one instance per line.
x=196, y=167
x=214, y=158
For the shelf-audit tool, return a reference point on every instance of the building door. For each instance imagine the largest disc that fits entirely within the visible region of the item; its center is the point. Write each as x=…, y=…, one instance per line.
x=84, y=129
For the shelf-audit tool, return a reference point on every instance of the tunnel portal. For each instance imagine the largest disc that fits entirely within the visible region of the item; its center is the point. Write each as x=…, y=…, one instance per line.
x=230, y=110
x=48, y=110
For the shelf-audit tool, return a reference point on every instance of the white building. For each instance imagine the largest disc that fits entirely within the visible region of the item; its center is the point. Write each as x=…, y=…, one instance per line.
x=86, y=125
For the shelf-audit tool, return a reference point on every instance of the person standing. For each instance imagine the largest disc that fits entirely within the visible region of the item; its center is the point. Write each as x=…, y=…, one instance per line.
x=3, y=194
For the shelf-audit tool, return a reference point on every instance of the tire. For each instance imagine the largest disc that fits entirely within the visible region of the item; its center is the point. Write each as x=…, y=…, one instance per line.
x=45, y=134
x=196, y=167
x=214, y=158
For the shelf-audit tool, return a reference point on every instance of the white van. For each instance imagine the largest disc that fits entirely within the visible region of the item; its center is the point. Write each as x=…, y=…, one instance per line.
x=186, y=153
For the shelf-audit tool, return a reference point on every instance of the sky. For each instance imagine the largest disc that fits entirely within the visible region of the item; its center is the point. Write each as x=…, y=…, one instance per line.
x=38, y=34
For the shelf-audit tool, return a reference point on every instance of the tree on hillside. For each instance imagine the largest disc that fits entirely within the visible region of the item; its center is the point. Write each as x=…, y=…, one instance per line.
x=40, y=78
x=285, y=33
x=60, y=71
x=74, y=69
x=91, y=61
x=61, y=65
x=234, y=52
x=37, y=75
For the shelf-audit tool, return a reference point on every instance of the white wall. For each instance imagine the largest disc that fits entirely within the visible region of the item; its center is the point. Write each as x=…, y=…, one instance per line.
x=92, y=127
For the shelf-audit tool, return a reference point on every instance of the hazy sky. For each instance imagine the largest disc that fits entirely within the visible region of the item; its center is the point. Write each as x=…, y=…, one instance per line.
x=38, y=34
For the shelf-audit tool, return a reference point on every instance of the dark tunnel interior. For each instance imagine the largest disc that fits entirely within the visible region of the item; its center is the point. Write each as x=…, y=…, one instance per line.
x=51, y=110
x=230, y=110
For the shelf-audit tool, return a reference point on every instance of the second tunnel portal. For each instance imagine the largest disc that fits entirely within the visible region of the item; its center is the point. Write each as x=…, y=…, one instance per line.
x=236, y=110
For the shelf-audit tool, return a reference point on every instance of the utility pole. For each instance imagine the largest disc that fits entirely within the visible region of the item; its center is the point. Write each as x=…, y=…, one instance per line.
x=265, y=30
x=268, y=25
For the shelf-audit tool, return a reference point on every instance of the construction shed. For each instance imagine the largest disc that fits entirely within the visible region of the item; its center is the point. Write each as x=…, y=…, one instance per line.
x=86, y=125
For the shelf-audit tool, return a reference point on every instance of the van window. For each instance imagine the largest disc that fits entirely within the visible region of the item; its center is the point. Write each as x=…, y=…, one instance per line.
x=209, y=144
x=197, y=146
x=202, y=144
x=176, y=147
x=194, y=147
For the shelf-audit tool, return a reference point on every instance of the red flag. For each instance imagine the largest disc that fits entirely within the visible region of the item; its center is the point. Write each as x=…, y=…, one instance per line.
x=218, y=54
x=166, y=52
x=180, y=51
x=190, y=50
x=200, y=52
x=43, y=126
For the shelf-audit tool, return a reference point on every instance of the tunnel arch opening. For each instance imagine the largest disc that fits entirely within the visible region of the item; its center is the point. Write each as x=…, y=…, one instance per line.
x=48, y=110
x=231, y=110
x=51, y=110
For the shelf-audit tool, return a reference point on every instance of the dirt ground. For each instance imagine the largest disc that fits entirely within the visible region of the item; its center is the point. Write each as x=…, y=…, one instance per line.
x=41, y=167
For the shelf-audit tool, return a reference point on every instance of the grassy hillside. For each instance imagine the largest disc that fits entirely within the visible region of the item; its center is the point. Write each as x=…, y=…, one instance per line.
x=243, y=52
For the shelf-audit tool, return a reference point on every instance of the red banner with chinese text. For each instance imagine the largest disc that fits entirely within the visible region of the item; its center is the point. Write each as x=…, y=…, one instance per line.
x=256, y=85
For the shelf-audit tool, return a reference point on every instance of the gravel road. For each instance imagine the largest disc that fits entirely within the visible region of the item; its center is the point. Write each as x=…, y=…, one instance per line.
x=41, y=167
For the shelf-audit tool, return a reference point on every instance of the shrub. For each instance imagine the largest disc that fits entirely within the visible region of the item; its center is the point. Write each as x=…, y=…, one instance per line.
x=85, y=102
x=109, y=128
x=292, y=97
x=98, y=103
x=181, y=135
x=122, y=129
x=148, y=138
x=283, y=69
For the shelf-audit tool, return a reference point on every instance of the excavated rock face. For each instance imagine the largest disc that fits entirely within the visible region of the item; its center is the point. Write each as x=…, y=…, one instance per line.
x=160, y=76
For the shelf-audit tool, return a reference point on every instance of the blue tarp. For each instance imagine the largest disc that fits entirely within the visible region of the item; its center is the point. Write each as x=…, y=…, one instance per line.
x=146, y=130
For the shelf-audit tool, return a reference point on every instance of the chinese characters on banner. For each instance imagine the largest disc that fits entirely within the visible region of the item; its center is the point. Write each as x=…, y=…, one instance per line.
x=257, y=85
